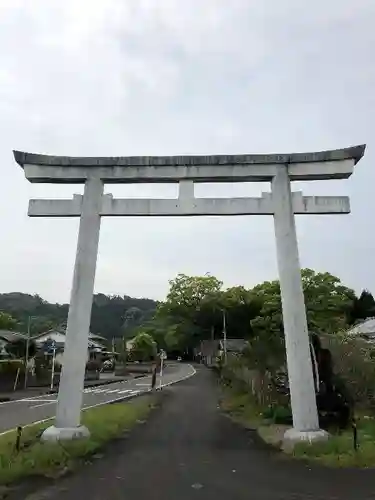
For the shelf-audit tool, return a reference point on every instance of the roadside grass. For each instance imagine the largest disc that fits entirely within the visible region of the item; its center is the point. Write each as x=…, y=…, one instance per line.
x=338, y=451
x=37, y=458
x=241, y=407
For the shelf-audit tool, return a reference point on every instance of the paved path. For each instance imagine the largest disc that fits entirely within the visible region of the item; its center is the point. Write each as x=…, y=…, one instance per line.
x=189, y=450
x=33, y=409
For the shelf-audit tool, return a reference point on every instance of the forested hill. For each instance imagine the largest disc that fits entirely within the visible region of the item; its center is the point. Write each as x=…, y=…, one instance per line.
x=112, y=316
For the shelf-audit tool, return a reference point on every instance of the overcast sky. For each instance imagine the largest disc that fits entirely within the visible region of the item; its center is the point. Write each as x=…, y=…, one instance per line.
x=149, y=77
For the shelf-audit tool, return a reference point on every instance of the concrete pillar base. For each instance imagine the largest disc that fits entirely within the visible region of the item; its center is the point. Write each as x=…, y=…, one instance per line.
x=293, y=436
x=65, y=433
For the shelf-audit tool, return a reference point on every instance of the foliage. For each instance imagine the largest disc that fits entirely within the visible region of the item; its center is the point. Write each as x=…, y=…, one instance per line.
x=194, y=311
x=328, y=303
x=11, y=366
x=363, y=307
x=18, y=348
x=354, y=363
x=46, y=458
x=112, y=316
x=7, y=322
x=339, y=451
x=116, y=316
x=144, y=348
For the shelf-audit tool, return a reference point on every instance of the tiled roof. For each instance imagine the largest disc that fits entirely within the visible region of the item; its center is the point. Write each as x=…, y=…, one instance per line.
x=367, y=327
x=10, y=336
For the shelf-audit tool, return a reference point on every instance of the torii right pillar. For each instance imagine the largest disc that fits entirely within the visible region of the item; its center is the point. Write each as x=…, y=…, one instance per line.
x=300, y=374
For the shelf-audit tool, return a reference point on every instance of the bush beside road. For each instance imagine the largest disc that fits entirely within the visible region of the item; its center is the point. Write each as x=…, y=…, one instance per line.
x=338, y=451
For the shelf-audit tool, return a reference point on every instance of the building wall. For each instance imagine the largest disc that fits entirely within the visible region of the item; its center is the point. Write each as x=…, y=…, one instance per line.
x=56, y=336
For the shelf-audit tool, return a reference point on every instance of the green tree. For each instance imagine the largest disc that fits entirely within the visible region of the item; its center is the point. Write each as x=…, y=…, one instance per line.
x=7, y=322
x=190, y=309
x=194, y=310
x=362, y=307
x=327, y=300
x=144, y=347
x=186, y=295
x=109, y=313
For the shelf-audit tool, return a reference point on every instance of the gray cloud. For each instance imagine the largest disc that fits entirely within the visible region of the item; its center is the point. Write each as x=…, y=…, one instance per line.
x=171, y=77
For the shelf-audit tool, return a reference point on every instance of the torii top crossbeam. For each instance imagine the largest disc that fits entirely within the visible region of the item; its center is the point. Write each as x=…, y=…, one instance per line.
x=323, y=165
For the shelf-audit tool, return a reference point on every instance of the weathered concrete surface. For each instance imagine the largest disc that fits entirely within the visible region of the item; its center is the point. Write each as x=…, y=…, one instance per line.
x=190, y=450
x=77, y=332
x=190, y=206
x=335, y=164
x=300, y=374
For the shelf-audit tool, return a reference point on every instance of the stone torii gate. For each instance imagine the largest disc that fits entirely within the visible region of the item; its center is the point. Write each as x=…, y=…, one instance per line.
x=281, y=202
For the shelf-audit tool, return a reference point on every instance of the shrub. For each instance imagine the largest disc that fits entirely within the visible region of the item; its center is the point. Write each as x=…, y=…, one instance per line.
x=354, y=363
x=93, y=365
x=10, y=366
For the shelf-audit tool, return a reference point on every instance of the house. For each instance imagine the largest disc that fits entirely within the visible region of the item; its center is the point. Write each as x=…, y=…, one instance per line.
x=7, y=337
x=365, y=330
x=208, y=351
x=234, y=346
x=96, y=343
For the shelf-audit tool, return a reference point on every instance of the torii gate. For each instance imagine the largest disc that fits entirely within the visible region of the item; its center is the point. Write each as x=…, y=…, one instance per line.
x=279, y=169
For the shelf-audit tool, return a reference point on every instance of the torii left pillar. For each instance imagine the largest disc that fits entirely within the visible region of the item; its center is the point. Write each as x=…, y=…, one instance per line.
x=67, y=424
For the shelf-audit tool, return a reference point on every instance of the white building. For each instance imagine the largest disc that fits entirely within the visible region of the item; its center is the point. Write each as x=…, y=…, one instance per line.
x=365, y=330
x=96, y=343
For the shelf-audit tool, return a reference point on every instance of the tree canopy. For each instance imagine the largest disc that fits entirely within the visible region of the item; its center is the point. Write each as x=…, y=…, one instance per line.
x=195, y=306
x=363, y=307
x=195, y=309
x=7, y=322
x=144, y=348
x=112, y=316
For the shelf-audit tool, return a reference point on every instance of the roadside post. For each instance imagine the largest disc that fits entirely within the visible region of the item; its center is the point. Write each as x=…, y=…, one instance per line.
x=53, y=363
x=27, y=350
x=163, y=356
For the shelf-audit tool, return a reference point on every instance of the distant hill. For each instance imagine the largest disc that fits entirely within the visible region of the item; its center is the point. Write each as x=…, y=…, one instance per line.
x=112, y=315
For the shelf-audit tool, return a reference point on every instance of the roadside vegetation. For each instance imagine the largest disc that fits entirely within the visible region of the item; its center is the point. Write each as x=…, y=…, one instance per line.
x=265, y=409
x=198, y=309
x=37, y=458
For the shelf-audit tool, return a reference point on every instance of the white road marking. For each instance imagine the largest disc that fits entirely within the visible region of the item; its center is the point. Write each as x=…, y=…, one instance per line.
x=36, y=400
x=99, y=404
x=43, y=404
x=24, y=400
x=113, y=391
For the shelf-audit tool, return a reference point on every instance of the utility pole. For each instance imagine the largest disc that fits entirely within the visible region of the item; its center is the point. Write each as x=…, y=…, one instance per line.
x=27, y=349
x=225, y=336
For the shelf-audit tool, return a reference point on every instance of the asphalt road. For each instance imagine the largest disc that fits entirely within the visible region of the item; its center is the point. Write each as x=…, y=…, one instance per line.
x=34, y=409
x=188, y=450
